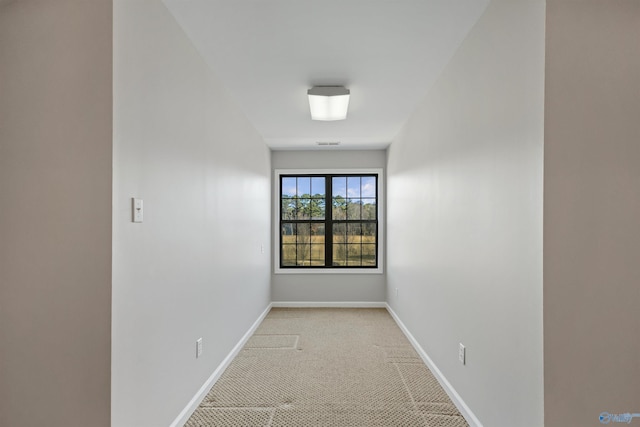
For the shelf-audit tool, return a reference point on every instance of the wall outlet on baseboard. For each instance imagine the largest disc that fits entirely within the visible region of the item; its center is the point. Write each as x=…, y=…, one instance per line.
x=198, y=347
x=462, y=354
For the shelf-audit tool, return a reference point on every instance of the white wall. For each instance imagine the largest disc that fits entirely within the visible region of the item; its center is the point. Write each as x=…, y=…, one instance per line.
x=464, y=211
x=194, y=267
x=55, y=212
x=591, y=211
x=328, y=287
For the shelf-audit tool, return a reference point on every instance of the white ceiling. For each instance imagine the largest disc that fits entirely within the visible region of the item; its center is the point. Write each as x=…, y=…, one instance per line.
x=267, y=53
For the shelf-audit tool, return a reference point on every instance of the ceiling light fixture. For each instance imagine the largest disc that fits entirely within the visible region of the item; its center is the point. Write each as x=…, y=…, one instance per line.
x=328, y=102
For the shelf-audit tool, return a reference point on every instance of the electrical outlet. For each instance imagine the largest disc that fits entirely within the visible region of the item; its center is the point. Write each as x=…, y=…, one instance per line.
x=462, y=353
x=198, y=347
x=396, y=291
x=262, y=248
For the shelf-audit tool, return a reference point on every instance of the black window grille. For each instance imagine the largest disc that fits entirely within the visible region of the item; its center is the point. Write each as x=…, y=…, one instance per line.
x=329, y=221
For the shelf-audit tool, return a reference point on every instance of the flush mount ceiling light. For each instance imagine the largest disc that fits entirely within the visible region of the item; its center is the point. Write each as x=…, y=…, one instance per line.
x=328, y=102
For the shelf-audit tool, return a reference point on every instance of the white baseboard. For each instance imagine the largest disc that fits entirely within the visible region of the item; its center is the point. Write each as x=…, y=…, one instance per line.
x=330, y=304
x=446, y=385
x=182, y=418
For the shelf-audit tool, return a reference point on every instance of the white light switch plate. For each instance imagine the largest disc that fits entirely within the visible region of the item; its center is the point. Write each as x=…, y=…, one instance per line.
x=198, y=347
x=137, y=210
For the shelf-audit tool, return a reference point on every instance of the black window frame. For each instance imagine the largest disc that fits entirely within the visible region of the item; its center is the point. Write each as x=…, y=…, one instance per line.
x=329, y=221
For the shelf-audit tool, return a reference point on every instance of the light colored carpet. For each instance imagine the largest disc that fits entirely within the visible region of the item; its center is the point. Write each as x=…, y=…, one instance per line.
x=342, y=367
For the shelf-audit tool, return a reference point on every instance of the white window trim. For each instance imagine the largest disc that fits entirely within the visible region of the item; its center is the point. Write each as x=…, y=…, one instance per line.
x=276, y=223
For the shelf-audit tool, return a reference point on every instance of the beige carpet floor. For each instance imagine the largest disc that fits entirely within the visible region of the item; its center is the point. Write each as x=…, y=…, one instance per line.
x=327, y=367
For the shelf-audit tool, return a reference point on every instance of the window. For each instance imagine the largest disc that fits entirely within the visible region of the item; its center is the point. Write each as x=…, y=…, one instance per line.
x=328, y=221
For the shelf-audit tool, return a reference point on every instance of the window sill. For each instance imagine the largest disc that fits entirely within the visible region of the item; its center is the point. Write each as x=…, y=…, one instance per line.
x=362, y=271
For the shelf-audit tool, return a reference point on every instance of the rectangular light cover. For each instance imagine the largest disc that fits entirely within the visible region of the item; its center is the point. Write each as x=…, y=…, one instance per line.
x=328, y=102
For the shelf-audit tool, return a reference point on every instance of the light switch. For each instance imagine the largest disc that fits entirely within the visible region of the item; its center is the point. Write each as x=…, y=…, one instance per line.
x=137, y=210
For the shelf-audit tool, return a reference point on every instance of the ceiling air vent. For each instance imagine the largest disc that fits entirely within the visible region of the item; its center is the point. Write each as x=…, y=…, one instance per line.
x=325, y=143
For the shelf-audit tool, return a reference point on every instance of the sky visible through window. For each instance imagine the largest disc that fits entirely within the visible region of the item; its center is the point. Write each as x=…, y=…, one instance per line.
x=343, y=186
